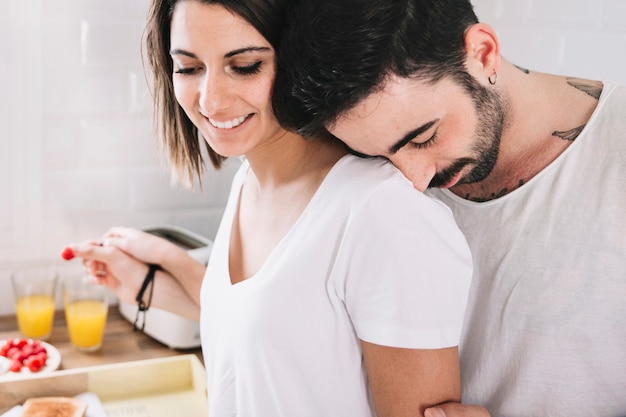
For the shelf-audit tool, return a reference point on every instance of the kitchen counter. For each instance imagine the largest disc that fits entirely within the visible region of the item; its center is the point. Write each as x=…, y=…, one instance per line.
x=120, y=343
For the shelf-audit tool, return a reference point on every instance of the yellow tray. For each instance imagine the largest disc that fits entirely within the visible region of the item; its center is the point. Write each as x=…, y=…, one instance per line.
x=164, y=387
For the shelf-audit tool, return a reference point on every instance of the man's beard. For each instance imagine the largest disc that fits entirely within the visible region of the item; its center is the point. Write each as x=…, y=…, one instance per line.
x=491, y=111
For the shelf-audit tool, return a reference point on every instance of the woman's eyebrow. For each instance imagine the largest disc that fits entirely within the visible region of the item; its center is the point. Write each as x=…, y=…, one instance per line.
x=247, y=49
x=183, y=52
x=228, y=55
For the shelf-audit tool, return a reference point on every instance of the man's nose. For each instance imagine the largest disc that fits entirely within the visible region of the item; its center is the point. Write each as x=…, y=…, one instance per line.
x=419, y=172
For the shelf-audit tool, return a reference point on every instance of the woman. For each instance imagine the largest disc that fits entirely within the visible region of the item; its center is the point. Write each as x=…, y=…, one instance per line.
x=333, y=288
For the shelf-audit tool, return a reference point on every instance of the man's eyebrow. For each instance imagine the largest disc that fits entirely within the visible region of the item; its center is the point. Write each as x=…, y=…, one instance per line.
x=228, y=55
x=393, y=149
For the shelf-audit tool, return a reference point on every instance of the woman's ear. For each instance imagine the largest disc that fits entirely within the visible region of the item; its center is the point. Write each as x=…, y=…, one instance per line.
x=482, y=51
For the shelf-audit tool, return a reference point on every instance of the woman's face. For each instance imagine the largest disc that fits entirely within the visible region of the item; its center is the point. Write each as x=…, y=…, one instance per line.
x=223, y=76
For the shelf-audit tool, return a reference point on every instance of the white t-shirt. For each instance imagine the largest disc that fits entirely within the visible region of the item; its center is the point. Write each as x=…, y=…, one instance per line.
x=369, y=258
x=545, y=330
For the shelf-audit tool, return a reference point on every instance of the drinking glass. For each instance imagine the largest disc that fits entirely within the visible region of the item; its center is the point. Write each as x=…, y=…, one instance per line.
x=86, y=308
x=34, y=288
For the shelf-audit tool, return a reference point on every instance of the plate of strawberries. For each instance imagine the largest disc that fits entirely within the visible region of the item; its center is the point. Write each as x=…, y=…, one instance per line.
x=27, y=356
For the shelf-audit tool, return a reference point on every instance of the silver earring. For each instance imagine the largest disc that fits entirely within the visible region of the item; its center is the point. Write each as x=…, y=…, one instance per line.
x=493, y=78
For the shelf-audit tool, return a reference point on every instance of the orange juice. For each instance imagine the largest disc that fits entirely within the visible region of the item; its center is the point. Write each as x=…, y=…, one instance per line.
x=85, y=322
x=34, y=315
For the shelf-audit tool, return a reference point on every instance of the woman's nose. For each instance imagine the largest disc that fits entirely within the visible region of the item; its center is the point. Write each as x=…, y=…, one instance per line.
x=214, y=93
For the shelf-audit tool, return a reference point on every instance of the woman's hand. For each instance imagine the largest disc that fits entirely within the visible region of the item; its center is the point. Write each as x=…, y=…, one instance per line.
x=112, y=267
x=120, y=261
x=142, y=245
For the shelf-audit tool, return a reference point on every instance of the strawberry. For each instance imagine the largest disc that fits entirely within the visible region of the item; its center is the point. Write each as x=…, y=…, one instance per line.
x=24, y=352
x=13, y=352
x=67, y=253
x=16, y=366
x=34, y=363
x=43, y=357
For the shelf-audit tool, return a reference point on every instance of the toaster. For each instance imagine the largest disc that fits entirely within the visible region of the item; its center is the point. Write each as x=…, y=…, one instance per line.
x=170, y=329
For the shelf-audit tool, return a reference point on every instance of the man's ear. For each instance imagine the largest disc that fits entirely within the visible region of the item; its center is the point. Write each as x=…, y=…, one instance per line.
x=482, y=51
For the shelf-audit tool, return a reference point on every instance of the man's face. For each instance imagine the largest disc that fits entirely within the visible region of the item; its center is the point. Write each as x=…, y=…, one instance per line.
x=438, y=135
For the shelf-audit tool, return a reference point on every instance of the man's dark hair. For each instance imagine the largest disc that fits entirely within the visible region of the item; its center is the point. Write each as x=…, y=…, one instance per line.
x=335, y=53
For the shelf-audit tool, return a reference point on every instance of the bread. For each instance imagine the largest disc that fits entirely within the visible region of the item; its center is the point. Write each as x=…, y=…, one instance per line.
x=54, y=407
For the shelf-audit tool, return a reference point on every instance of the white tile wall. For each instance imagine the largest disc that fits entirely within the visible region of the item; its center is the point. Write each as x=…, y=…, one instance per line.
x=573, y=37
x=77, y=153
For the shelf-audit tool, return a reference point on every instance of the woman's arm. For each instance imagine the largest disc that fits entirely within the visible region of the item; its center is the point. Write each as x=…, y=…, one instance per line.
x=457, y=410
x=124, y=273
x=404, y=382
x=156, y=250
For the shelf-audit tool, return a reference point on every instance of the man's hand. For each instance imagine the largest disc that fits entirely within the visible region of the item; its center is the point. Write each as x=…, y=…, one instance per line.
x=456, y=410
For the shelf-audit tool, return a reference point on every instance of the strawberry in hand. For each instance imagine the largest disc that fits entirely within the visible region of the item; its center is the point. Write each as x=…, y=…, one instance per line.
x=67, y=253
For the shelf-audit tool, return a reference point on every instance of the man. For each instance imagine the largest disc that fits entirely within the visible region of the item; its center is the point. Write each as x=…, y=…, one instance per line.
x=532, y=165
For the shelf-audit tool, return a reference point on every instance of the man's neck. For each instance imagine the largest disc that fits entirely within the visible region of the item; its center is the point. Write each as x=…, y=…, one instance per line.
x=547, y=113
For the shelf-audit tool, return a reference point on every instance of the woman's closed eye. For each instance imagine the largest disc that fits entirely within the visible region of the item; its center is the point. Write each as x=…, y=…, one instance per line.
x=184, y=70
x=251, y=69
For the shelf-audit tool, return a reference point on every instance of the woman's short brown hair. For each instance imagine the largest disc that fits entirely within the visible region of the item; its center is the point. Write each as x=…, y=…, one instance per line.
x=179, y=139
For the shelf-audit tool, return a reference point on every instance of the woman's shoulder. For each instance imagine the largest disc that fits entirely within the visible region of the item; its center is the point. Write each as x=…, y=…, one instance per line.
x=375, y=181
x=367, y=172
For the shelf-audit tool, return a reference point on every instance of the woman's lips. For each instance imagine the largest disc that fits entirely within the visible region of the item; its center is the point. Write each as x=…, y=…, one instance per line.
x=228, y=124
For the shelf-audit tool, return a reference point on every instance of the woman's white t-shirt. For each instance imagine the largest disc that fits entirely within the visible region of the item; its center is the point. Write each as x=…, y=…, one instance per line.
x=370, y=258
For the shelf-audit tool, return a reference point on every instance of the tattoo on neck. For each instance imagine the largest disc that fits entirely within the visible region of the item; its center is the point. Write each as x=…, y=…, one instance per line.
x=591, y=88
x=493, y=196
x=569, y=134
x=524, y=70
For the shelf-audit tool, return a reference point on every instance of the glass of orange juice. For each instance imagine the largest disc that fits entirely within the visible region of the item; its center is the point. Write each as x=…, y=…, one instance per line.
x=35, y=288
x=86, y=308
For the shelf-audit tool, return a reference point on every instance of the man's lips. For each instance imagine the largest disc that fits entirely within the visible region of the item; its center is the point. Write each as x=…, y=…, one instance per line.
x=452, y=181
x=451, y=176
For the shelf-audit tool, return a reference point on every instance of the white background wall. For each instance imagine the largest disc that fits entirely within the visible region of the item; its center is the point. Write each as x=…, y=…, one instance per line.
x=583, y=38
x=77, y=153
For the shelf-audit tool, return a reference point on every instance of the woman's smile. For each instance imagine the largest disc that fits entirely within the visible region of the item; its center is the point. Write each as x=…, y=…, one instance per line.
x=223, y=73
x=228, y=124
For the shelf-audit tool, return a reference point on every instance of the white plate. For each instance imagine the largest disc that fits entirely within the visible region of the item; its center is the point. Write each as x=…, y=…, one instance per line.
x=94, y=406
x=52, y=363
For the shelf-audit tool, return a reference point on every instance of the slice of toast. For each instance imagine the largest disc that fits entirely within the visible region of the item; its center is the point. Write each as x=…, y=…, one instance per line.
x=54, y=407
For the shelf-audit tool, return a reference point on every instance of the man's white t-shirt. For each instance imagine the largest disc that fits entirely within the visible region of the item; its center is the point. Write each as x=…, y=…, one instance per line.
x=369, y=258
x=545, y=330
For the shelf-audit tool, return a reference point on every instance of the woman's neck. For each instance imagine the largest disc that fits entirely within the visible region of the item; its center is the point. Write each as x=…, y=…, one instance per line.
x=291, y=158
x=282, y=180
